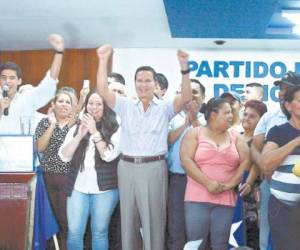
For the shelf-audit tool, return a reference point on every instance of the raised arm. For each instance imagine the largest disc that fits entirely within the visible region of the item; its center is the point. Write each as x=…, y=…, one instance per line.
x=104, y=54
x=186, y=92
x=57, y=42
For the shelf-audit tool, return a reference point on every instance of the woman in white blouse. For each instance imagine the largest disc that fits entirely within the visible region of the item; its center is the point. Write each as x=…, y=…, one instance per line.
x=92, y=149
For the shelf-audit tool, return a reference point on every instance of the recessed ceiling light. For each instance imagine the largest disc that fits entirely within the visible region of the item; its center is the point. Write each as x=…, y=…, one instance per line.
x=294, y=17
x=219, y=42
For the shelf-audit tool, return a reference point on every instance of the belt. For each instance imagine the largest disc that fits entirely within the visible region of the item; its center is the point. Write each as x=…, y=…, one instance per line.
x=142, y=159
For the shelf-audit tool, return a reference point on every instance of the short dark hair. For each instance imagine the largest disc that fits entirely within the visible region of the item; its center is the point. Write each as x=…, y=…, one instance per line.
x=289, y=97
x=117, y=77
x=12, y=66
x=259, y=106
x=162, y=81
x=254, y=84
x=200, y=85
x=213, y=105
x=145, y=68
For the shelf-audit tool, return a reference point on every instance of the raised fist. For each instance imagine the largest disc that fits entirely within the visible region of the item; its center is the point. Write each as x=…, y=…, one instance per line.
x=105, y=51
x=183, y=58
x=57, y=42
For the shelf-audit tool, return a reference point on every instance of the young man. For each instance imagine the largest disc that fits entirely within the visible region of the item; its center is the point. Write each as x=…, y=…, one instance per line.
x=116, y=83
x=15, y=105
x=253, y=91
x=142, y=170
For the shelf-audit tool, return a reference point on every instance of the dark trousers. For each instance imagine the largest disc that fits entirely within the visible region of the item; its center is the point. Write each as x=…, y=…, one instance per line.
x=176, y=236
x=284, y=221
x=54, y=184
x=115, y=230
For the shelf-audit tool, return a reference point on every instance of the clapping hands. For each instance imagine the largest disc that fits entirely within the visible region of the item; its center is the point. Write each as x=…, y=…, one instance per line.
x=89, y=123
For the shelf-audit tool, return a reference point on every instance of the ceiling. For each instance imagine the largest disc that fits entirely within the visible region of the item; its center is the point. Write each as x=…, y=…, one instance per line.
x=196, y=24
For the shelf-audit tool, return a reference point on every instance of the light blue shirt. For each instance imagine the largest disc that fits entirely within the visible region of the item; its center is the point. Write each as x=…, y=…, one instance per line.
x=269, y=120
x=174, y=162
x=144, y=133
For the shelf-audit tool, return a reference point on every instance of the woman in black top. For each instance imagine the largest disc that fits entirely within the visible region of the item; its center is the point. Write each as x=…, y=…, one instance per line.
x=50, y=134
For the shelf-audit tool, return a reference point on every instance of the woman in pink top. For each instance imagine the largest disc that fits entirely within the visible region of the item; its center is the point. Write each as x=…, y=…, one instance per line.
x=214, y=159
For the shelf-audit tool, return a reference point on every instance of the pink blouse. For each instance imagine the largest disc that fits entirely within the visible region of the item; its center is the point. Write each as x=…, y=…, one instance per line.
x=219, y=165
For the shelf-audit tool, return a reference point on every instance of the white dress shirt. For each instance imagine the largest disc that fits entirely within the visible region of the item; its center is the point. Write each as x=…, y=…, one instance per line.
x=144, y=133
x=25, y=105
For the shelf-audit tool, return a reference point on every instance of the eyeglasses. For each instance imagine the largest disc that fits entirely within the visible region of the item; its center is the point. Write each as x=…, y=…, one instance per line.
x=5, y=78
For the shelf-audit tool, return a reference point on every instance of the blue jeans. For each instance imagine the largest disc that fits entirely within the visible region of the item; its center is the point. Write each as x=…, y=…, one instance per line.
x=204, y=218
x=100, y=207
x=264, y=229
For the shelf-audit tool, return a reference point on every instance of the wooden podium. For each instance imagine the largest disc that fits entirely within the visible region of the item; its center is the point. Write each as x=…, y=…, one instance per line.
x=17, y=191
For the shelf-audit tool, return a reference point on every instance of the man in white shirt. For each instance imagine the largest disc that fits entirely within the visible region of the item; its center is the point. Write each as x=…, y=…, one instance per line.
x=15, y=106
x=142, y=170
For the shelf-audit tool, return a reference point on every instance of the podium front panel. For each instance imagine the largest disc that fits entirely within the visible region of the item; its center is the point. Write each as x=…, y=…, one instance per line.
x=16, y=208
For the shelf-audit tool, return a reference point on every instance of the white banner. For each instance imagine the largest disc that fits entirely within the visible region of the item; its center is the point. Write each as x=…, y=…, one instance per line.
x=218, y=71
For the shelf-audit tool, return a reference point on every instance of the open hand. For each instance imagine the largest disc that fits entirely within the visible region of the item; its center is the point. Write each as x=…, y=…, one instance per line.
x=51, y=116
x=84, y=92
x=192, y=109
x=83, y=130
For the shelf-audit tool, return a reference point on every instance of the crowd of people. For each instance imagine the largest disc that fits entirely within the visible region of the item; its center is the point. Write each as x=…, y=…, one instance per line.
x=155, y=174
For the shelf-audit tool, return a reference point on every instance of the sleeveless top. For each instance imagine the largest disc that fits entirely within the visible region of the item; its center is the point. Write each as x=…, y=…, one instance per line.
x=217, y=164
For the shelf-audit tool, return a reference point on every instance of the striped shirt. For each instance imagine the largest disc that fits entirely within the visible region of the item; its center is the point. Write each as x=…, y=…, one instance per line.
x=285, y=186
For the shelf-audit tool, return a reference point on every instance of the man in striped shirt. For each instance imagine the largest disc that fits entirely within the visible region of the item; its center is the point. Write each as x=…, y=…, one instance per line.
x=280, y=155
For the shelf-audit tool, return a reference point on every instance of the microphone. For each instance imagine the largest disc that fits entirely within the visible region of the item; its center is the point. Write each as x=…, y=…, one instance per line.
x=5, y=90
